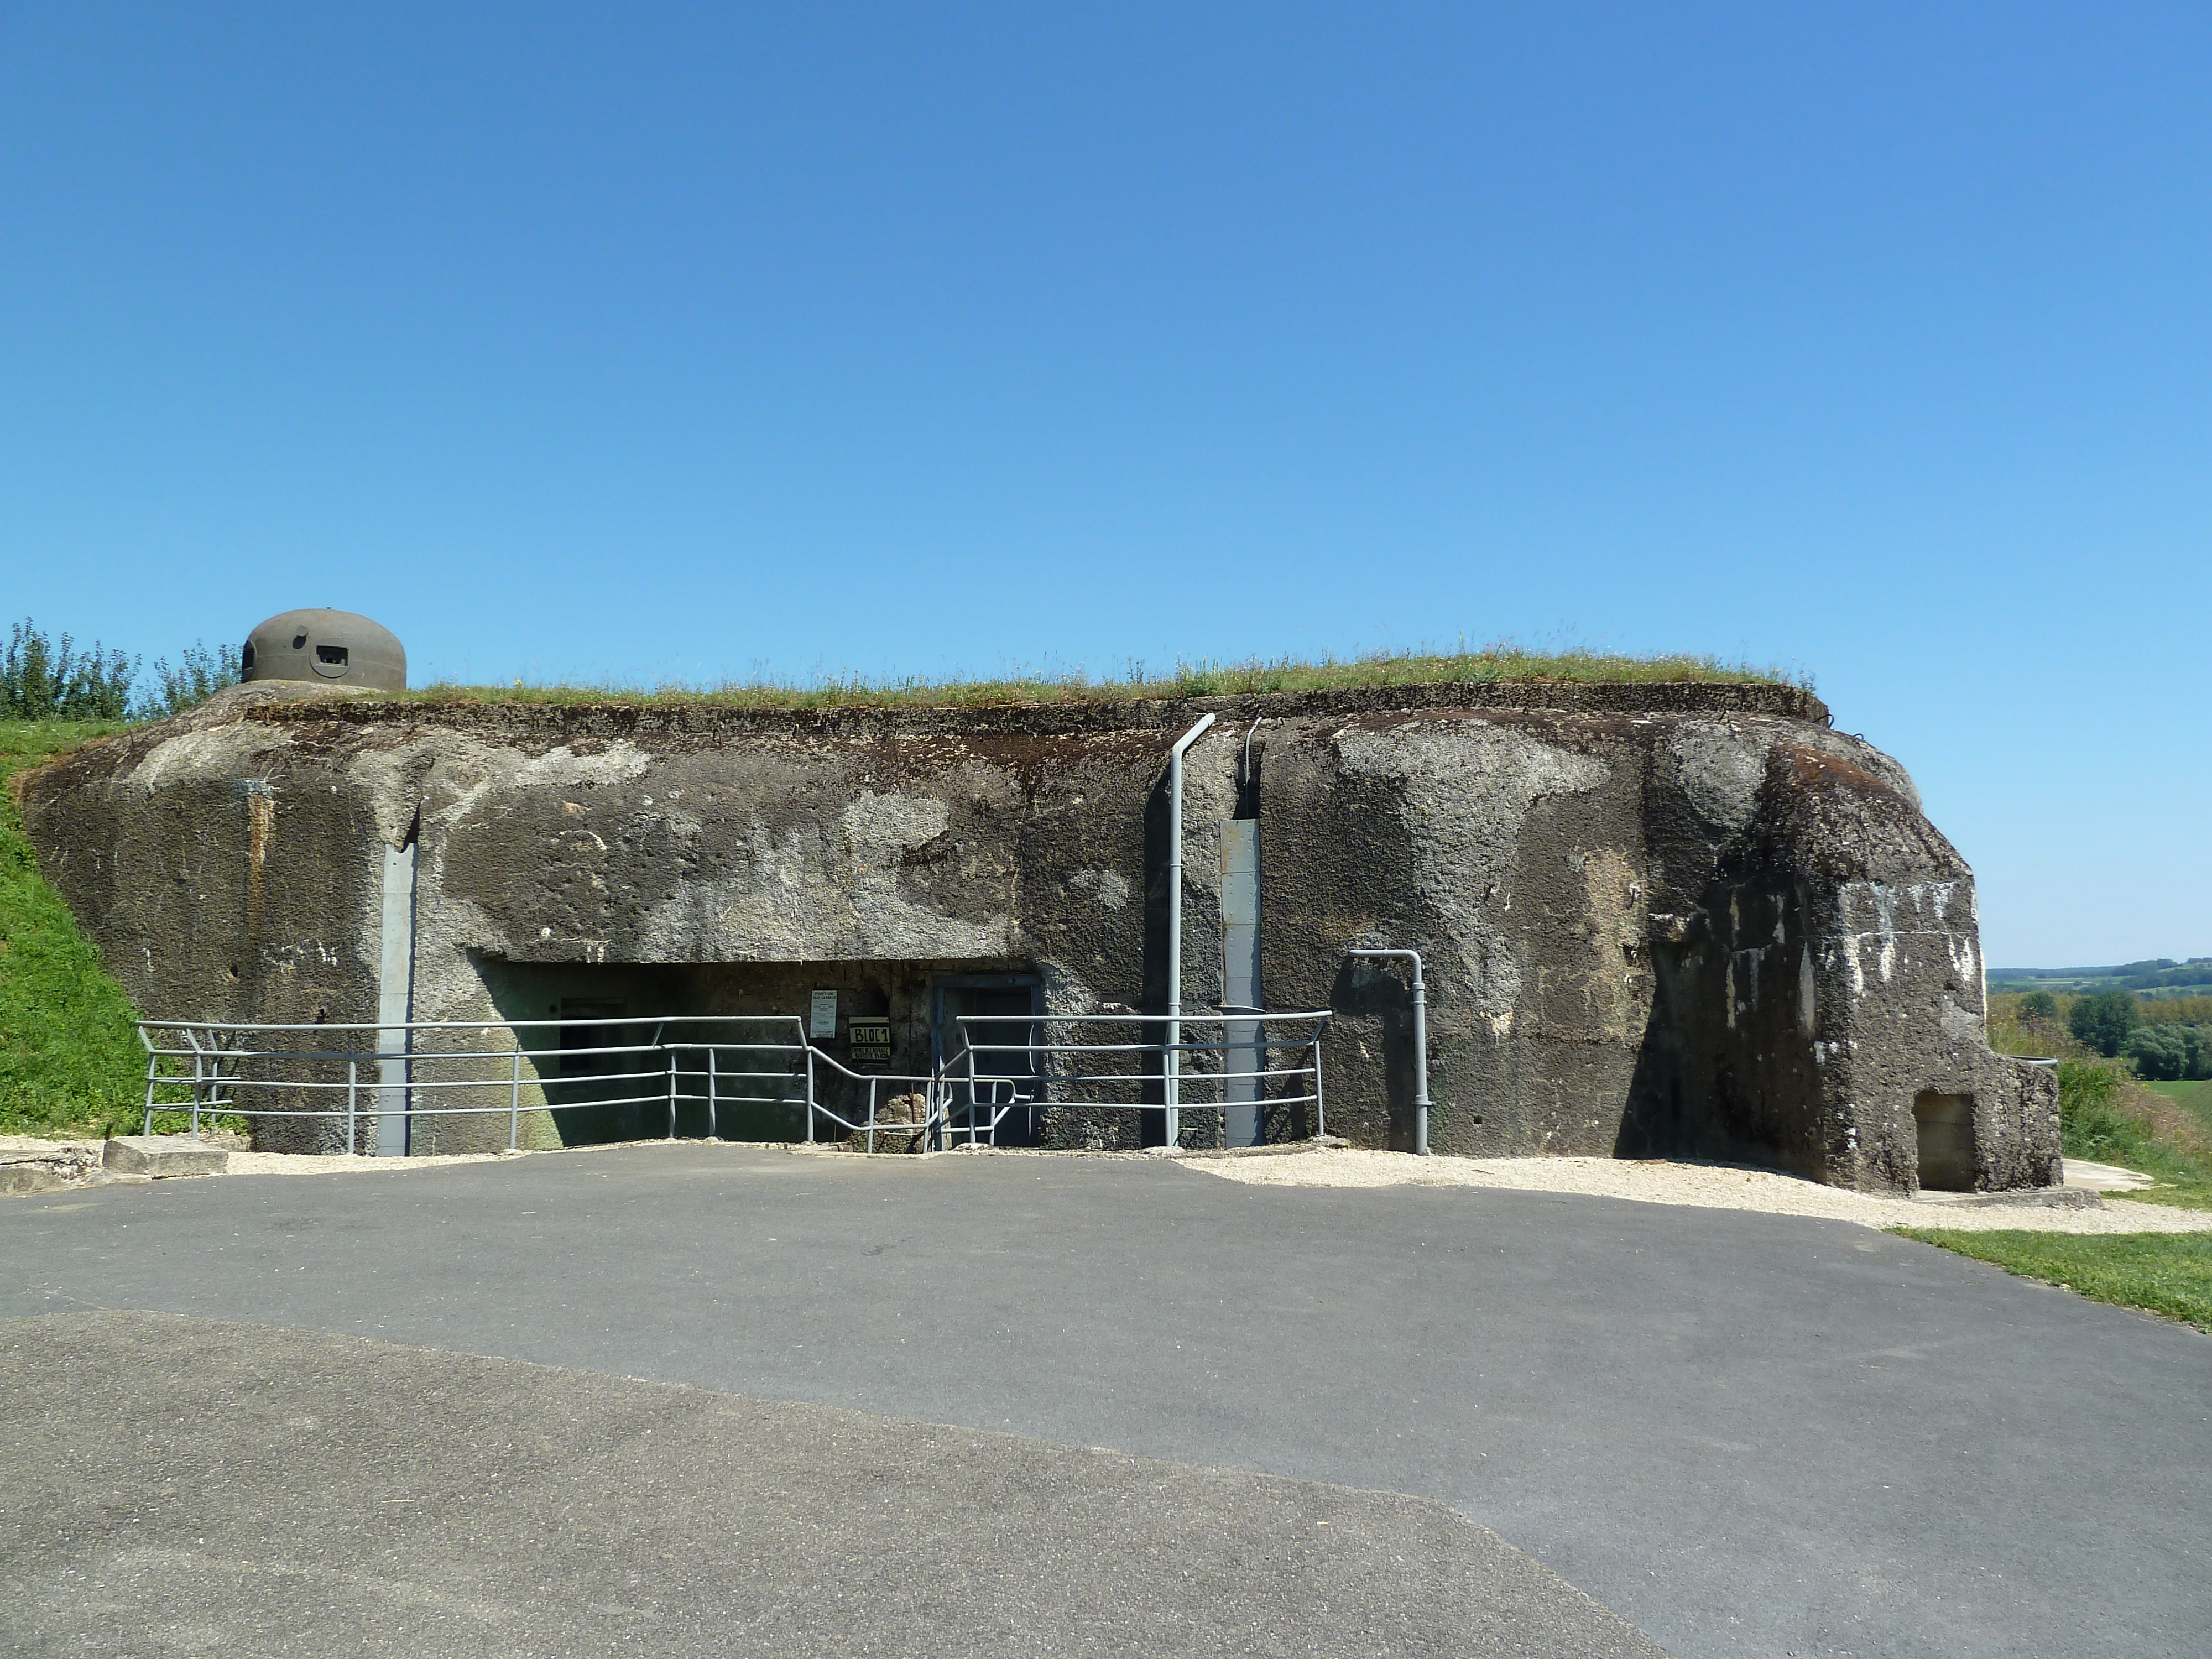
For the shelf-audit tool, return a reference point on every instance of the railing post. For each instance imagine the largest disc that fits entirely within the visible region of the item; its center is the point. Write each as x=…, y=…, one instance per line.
x=1320, y=1118
x=153, y=1061
x=515, y=1095
x=1171, y=1086
x=353, y=1084
x=672, y=1093
x=713, y=1130
x=810, y=1093
x=199, y=1070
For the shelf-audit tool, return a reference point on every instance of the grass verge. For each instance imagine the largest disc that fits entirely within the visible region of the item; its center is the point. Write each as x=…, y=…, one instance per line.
x=2165, y=1273
x=2107, y=1116
x=70, y=1063
x=1492, y=664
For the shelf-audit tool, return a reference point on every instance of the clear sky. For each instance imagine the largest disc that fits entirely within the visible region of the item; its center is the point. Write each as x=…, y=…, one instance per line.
x=652, y=342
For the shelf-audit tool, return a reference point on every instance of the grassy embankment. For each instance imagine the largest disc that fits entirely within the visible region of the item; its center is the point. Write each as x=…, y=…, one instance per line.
x=69, y=1062
x=2108, y=1116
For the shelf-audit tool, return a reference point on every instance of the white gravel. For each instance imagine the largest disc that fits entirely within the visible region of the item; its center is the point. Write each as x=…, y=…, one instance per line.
x=1693, y=1186
x=351, y=1163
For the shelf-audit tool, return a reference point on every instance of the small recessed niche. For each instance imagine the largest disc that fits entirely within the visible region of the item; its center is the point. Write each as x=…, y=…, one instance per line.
x=1945, y=1124
x=299, y=641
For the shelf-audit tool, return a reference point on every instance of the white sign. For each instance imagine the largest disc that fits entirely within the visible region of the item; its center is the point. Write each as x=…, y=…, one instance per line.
x=823, y=1022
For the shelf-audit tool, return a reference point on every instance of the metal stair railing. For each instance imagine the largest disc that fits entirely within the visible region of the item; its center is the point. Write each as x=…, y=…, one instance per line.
x=332, y=1072
x=1209, y=1064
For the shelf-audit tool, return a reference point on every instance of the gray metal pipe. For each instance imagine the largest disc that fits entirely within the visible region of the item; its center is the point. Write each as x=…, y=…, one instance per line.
x=1171, y=1063
x=1420, y=1046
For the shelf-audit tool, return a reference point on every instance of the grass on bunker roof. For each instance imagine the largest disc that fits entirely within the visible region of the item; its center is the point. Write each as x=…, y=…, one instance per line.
x=1492, y=664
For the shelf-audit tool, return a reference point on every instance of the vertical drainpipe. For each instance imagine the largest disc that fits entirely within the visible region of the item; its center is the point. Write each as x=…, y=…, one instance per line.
x=395, y=995
x=1171, y=1061
x=1420, y=1046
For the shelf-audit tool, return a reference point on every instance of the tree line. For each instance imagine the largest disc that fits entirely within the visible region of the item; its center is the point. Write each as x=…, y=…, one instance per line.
x=45, y=679
x=2111, y=1022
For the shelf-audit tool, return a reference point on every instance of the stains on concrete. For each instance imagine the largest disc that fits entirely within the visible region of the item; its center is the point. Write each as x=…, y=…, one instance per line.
x=1678, y=920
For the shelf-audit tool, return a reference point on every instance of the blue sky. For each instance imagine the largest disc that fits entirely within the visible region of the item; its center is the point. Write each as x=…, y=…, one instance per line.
x=654, y=342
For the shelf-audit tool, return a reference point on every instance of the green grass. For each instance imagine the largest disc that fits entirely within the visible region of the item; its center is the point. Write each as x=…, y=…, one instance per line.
x=69, y=1061
x=2195, y=1098
x=1492, y=664
x=2165, y=1273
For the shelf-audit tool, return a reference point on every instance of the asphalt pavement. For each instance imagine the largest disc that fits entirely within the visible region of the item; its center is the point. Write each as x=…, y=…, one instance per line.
x=1743, y=1434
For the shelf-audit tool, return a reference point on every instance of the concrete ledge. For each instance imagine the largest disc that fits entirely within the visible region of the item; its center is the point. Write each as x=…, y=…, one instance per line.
x=164, y=1155
x=2041, y=1198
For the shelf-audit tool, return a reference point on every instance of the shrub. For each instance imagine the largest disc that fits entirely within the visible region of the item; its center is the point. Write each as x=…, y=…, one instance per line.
x=2038, y=1005
x=2102, y=1022
x=199, y=674
x=44, y=679
x=41, y=680
x=2161, y=1052
x=2091, y=1125
x=2199, y=1039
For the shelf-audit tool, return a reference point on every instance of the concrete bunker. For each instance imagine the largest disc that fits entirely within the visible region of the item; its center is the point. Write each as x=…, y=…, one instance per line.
x=1675, y=919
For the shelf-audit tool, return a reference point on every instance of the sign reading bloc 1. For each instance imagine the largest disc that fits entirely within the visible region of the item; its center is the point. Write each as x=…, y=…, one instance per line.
x=869, y=1039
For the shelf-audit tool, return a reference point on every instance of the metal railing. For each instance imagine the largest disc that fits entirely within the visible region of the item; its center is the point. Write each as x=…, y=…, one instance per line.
x=994, y=1077
x=761, y=1069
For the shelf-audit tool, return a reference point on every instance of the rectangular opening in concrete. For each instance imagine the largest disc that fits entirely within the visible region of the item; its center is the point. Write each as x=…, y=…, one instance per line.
x=1016, y=996
x=881, y=1033
x=584, y=1048
x=1946, y=1128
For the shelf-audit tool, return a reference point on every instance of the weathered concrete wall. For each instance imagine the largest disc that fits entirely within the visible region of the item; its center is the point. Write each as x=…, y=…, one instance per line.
x=1657, y=918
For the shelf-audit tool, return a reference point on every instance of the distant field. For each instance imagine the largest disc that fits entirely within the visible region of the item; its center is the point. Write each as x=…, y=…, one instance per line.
x=2160, y=976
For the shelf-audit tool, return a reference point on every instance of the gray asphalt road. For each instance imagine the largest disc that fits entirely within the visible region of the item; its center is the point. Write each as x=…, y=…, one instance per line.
x=297, y=1493
x=1745, y=1434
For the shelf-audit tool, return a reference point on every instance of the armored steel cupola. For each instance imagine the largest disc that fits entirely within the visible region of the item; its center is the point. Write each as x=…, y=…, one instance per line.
x=336, y=646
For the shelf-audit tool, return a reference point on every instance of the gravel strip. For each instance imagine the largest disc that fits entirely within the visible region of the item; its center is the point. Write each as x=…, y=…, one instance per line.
x=1695, y=1186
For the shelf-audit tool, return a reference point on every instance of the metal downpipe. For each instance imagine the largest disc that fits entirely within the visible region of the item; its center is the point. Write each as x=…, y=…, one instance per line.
x=1420, y=1047
x=1171, y=1061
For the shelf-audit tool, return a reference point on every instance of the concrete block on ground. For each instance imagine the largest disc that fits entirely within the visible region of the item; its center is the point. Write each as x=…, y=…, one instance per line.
x=164, y=1155
x=28, y=1164
x=18, y=1179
